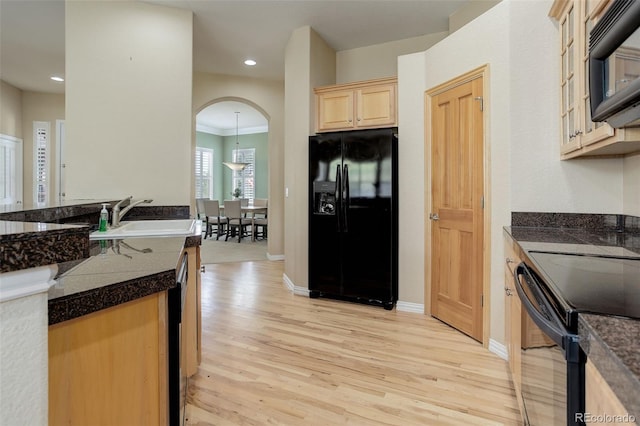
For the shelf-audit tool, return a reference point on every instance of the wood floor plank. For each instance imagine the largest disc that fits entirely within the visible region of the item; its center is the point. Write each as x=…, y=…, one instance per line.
x=271, y=357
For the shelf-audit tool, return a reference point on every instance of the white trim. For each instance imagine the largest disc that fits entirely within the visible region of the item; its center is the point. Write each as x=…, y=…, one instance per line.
x=275, y=256
x=17, y=196
x=300, y=291
x=418, y=308
x=231, y=132
x=498, y=349
x=26, y=282
x=60, y=182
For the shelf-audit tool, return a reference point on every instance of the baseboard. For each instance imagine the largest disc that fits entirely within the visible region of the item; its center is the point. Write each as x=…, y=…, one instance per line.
x=417, y=308
x=300, y=291
x=275, y=256
x=498, y=349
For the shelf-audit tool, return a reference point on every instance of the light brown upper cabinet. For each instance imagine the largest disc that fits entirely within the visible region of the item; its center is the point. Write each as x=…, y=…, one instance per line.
x=361, y=105
x=580, y=137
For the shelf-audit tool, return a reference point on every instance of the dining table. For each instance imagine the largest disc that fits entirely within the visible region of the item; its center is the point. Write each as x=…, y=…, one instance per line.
x=253, y=210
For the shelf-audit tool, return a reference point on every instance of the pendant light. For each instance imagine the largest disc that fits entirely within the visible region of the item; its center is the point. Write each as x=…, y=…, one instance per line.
x=234, y=165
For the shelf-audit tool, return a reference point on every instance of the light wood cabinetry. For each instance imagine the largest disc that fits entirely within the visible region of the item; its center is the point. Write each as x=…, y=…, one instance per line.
x=360, y=105
x=191, y=316
x=513, y=318
x=580, y=137
x=602, y=405
x=520, y=330
x=110, y=367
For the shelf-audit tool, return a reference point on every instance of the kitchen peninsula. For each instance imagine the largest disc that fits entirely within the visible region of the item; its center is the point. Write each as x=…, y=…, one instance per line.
x=108, y=311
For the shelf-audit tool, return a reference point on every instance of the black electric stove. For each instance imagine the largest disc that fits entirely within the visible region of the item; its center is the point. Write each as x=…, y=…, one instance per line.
x=592, y=284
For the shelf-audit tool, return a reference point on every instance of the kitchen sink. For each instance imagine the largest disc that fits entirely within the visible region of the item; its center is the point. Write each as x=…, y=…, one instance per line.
x=148, y=228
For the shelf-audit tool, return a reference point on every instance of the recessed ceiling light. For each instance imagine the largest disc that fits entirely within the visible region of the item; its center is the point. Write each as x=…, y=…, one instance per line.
x=57, y=78
x=250, y=62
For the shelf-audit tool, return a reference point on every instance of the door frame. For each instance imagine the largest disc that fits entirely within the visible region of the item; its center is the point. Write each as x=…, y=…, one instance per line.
x=480, y=72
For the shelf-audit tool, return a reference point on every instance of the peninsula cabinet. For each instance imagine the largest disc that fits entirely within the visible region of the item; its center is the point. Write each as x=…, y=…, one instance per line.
x=360, y=105
x=110, y=366
x=580, y=137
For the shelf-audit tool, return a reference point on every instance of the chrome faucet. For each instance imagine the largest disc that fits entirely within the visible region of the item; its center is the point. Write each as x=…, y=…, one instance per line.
x=118, y=214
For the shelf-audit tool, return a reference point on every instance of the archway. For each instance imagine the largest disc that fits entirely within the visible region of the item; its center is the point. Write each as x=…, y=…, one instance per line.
x=225, y=128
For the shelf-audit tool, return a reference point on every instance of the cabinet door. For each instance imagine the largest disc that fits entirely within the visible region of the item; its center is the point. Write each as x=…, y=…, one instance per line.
x=191, y=312
x=376, y=106
x=569, y=82
x=335, y=110
x=588, y=131
x=513, y=320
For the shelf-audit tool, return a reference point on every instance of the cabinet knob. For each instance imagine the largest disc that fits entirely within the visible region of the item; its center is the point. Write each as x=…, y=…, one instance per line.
x=508, y=291
x=510, y=261
x=202, y=268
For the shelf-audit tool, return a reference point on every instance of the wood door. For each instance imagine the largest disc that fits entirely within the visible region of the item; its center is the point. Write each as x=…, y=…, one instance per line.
x=457, y=207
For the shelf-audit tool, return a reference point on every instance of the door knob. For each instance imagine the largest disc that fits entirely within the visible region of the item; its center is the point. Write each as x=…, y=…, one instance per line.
x=434, y=216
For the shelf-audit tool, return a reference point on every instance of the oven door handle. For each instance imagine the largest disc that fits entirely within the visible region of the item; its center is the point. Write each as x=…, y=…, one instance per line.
x=552, y=327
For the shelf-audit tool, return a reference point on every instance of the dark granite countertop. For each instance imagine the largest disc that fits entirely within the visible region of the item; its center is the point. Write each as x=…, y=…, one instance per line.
x=611, y=343
x=31, y=206
x=117, y=271
x=92, y=275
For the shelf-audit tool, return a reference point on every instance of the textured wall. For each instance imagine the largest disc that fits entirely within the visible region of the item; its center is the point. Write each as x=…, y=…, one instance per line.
x=631, y=183
x=24, y=352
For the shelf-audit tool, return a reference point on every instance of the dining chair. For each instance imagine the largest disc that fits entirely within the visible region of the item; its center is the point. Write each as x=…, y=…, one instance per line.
x=233, y=212
x=214, y=219
x=200, y=209
x=260, y=221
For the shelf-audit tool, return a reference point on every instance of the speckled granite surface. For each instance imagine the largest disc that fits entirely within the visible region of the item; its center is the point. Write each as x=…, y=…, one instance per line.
x=118, y=271
x=29, y=245
x=613, y=347
x=611, y=343
x=32, y=237
x=91, y=275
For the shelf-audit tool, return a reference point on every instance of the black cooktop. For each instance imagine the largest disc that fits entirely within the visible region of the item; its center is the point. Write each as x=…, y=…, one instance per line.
x=593, y=284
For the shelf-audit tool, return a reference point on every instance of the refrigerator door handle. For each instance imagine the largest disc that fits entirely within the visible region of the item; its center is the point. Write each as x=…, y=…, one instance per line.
x=338, y=193
x=346, y=197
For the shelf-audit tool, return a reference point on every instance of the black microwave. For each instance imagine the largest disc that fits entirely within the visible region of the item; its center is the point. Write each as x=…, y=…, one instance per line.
x=614, y=65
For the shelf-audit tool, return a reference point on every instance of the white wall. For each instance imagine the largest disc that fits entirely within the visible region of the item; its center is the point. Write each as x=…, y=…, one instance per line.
x=631, y=183
x=411, y=173
x=518, y=41
x=128, y=101
x=11, y=110
x=24, y=361
x=309, y=62
x=380, y=60
x=24, y=350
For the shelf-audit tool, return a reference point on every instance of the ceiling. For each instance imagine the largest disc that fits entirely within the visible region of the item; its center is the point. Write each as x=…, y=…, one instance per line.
x=225, y=34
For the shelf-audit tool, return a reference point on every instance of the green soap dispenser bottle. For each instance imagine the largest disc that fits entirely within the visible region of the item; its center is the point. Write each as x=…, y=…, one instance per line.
x=104, y=219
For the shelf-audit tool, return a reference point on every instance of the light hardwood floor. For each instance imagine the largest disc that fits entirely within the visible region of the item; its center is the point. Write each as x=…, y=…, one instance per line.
x=271, y=357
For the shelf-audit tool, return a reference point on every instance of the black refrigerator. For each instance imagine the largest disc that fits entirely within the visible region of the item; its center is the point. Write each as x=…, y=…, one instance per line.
x=353, y=216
